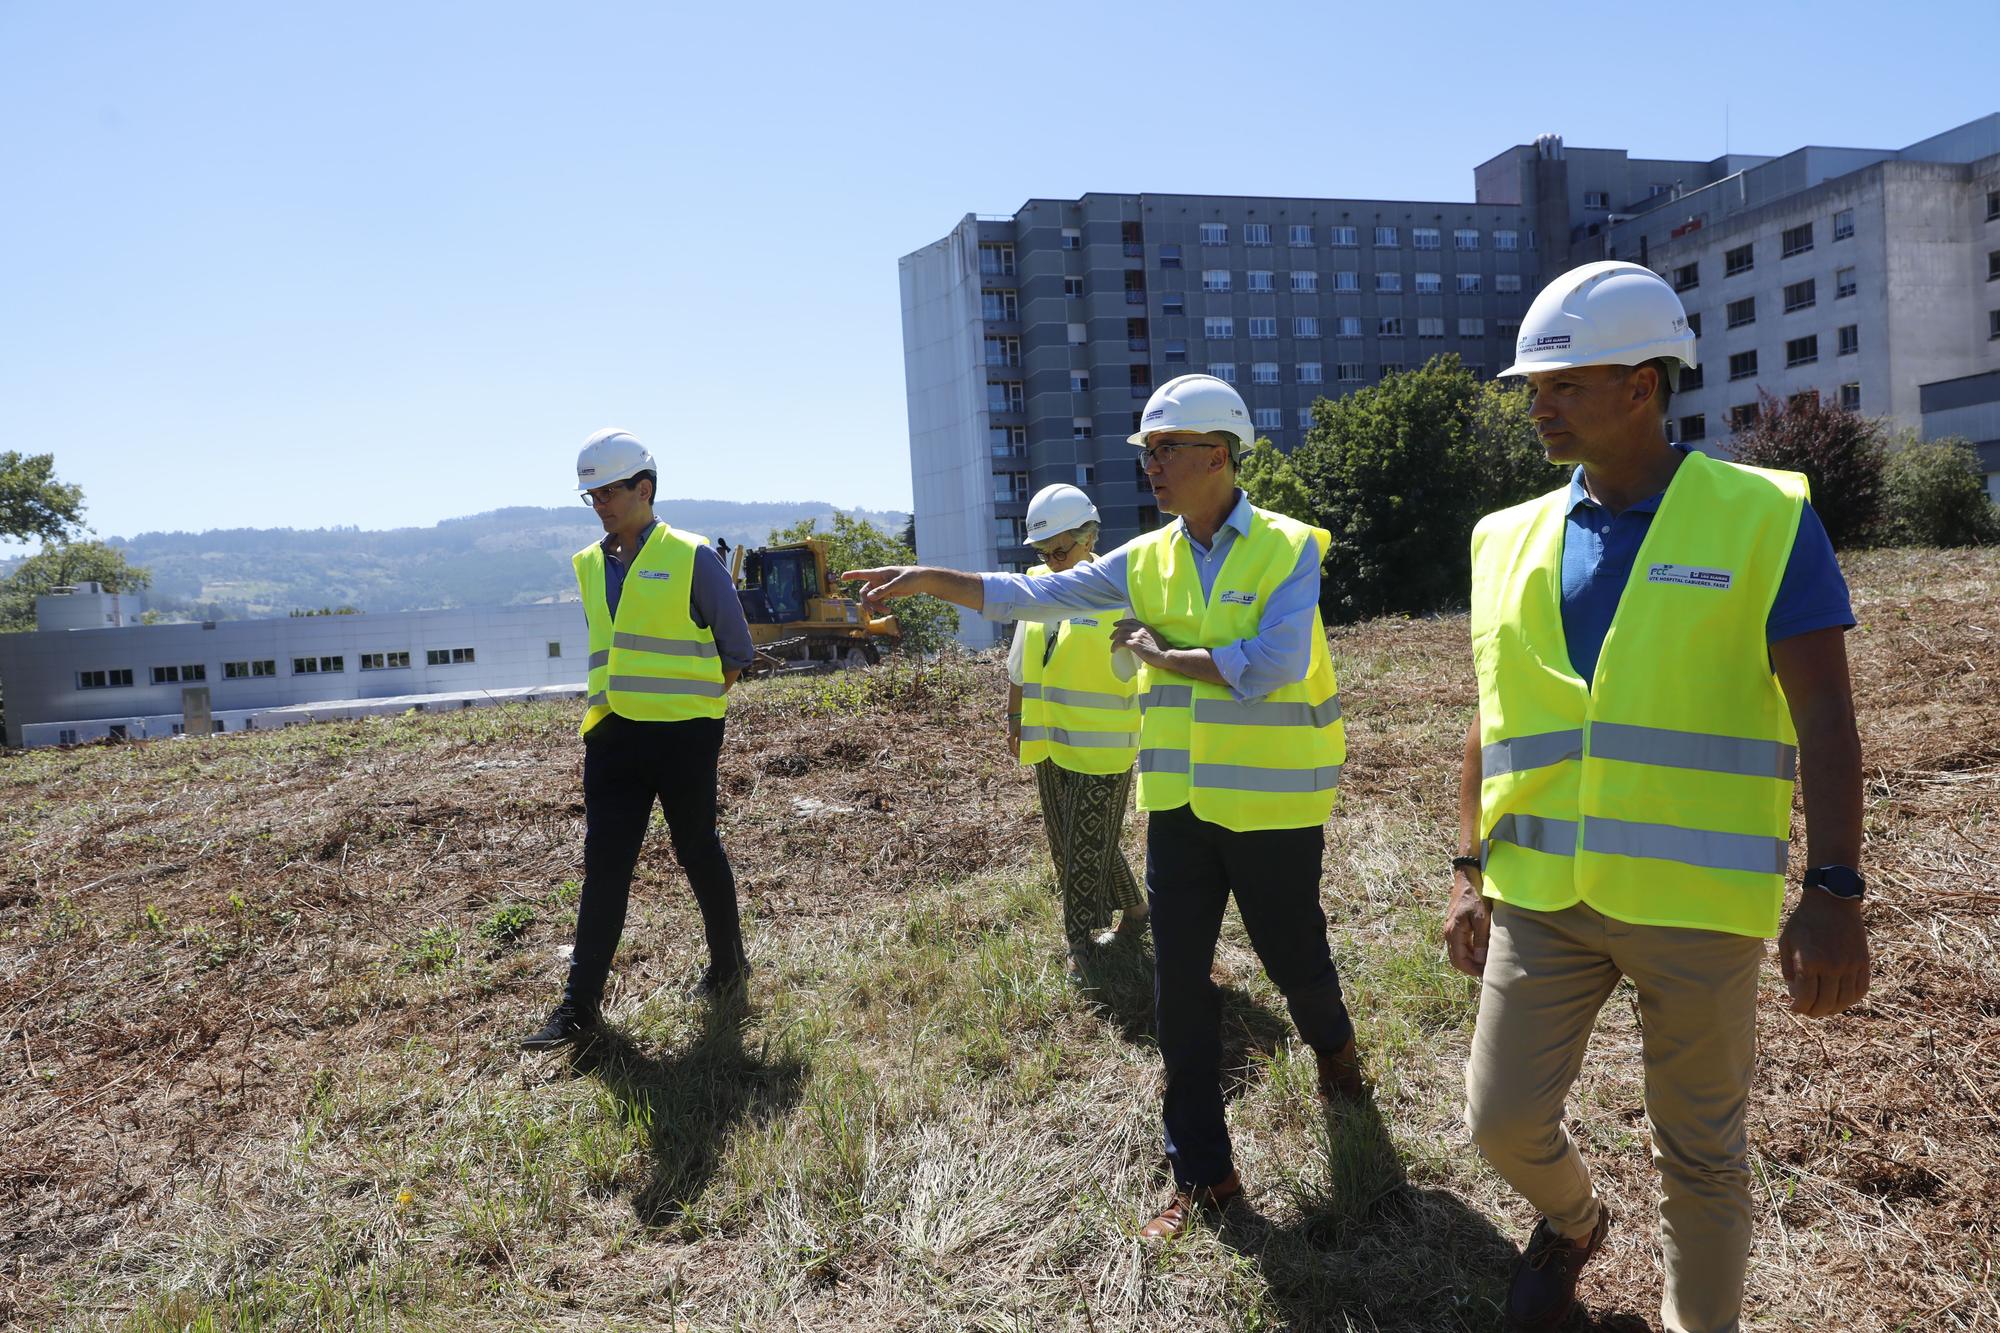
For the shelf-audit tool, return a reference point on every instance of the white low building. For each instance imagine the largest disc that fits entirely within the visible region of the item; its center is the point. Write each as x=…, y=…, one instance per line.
x=90, y=671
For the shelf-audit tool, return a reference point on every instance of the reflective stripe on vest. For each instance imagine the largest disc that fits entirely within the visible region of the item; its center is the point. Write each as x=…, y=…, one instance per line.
x=1272, y=763
x=651, y=662
x=1660, y=793
x=1075, y=712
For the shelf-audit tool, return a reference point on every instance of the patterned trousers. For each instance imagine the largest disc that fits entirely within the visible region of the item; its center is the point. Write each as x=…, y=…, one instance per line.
x=1083, y=814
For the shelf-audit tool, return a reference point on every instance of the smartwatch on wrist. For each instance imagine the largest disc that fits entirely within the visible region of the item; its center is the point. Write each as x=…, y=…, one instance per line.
x=1842, y=882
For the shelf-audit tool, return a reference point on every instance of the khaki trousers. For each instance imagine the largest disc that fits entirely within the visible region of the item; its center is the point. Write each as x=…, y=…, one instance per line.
x=1547, y=975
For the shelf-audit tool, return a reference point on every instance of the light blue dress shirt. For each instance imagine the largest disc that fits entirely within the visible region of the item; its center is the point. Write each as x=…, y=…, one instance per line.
x=1279, y=654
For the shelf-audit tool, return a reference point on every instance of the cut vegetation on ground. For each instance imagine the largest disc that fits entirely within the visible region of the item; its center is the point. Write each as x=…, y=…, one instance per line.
x=256, y=994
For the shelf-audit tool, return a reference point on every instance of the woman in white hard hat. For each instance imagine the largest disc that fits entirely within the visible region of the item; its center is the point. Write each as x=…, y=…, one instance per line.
x=1072, y=719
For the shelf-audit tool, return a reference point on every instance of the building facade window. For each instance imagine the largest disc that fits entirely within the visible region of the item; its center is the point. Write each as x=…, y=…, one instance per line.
x=1690, y=379
x=1072, y=238
x=999, y=259
x=1305, y=418
x=1170, y=256
x=1850, y=396
x=1263, y=326
x=1305, y=280
x=1082, y=428
x=110, y=678
x=1346, y=237
x=1687, y=277
x=1465, y=238
x=1073, y=288
x=1596, y=199
x=1506, y=240
x=1429, y=284
x=1347, y=280
x=1843, y=224
x=1268, y=418
x=1260, y=279
x=1176, y=351
x=1079, y=381
x=1472, y=328
x=1348, y=372
x=448, y=656
x=65, y=736
x=1430, y=328
x=1007, y=441
x=1796, y=240
x=1309, y=372
x=1506, y=282
x=1305, y=326
x=1001, y=305
x=176, y=675
x=1424, y=238
x=398, y=661
x=1802, y=351
x=1742, y=416
x=1215, y=279
x=249, y=670
x=1218, y=326
x=1743, y=365
x=1256, y=233
x=1742, y=312
x=1388, y=282
x=315, y=666
x=1389, y=326
x=1740, y=260
x=1844, y=284
x=1003, y=351
x=1850, y=339
x=1694, y=427
x=1300, y=234
x=1992, y=205
x=1391, y=368
x=1801, y=295
x=1005, y=396
x=1215, y=233
x=1386, y=236
x=1993, y=324
x=1172, y=303
x=1468, y=283
x=1223, y=370
x=1349, y=326
x=1263, y=372
x=1993, y=266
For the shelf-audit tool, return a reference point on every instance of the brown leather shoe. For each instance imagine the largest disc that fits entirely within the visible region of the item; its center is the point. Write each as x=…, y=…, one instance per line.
x=1340, y=1074
x=1184, y=1204
x=1543, y=1291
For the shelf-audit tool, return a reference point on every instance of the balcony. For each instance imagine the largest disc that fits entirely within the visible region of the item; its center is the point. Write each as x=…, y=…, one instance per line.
x=1134, y=250
x=1135, y=344
x=1135, y=298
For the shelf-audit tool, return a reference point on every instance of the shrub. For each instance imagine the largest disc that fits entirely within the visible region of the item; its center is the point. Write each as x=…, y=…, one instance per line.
x=1935, y=496
x=855, y=543
x=1399, y=473
x=1268, y=478
x=1841, y=453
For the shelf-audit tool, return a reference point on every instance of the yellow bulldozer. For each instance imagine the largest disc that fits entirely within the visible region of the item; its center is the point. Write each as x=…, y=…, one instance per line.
x=798, y=620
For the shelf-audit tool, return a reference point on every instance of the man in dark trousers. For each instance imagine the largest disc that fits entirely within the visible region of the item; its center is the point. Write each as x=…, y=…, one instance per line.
x=667, y=640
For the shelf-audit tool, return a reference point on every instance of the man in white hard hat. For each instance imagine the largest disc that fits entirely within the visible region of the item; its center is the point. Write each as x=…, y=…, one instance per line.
x=667, y=640
x=1659, y=648
x=1074, y=720
x=1240, y=753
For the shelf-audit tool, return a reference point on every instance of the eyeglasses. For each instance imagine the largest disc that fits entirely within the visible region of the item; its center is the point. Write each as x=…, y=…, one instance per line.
x=1156, y=454
x=1050, y=551
x=603, y=493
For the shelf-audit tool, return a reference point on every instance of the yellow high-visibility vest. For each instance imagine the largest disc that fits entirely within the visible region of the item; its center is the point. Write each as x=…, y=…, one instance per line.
x=1661, y=793
x=651, y=662
x=1074, y=709
x=1274, y=763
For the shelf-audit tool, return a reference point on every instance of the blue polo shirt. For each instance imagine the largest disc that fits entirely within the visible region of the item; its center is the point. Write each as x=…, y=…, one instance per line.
x=1599, y=548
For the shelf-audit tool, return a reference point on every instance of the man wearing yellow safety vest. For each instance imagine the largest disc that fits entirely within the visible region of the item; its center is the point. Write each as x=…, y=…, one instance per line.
x=667, y=640
x=1659, y=648
x=1075, y=721
x=1240, y=751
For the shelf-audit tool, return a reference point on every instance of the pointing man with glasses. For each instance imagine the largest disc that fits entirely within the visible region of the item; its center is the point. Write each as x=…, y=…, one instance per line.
x=667, y=640
x=1240, y=750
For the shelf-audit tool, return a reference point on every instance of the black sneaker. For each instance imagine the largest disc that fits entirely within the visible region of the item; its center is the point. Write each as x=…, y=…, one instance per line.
x=1542, y=1294
x=569, y=1024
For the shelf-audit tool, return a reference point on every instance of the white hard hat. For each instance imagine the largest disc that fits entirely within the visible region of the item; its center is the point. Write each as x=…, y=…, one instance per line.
x=1058, y=509
x=611, y=455
x=1610, y=313
x=1198, y=403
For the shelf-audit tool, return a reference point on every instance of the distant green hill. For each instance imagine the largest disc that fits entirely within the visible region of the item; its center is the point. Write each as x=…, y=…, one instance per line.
x=505, y=557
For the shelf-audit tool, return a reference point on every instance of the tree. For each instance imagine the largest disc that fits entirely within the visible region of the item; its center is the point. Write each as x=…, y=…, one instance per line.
x=1399, y=473
x=33, y=503
x=1935, y=496
x=64, y=566
x=1269, y=479
x=856, y=543
x=1842, y=454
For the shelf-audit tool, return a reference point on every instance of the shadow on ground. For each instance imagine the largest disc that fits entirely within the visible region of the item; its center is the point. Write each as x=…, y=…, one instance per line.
x=689, y=1100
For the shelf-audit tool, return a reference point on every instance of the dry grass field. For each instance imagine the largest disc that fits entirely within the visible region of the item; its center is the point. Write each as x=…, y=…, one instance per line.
x=256, y=994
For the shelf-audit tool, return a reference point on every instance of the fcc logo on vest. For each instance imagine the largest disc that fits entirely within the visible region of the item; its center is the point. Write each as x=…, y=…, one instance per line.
x=660, y=574
x=1235, y=598
x=1690, y=576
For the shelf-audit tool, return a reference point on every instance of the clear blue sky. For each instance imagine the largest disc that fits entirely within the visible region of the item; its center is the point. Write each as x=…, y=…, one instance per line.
x=316, y=263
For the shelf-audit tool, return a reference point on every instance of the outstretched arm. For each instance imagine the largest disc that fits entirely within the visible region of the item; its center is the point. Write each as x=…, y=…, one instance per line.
x=879, y=586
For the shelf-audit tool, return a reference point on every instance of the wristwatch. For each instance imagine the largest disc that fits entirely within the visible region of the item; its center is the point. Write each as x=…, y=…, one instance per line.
x=1840, y=881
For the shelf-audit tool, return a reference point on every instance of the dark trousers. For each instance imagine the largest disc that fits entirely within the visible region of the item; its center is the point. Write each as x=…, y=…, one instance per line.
x=627, y=766
x=1192, y=868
